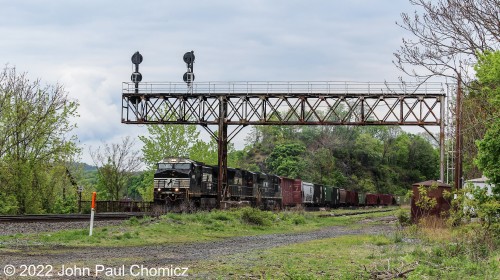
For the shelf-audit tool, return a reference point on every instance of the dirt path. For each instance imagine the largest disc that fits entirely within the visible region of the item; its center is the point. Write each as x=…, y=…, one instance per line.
x=172, y=254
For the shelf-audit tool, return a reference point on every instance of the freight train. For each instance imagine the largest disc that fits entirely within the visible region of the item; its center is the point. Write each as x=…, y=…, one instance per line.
x=180, y=181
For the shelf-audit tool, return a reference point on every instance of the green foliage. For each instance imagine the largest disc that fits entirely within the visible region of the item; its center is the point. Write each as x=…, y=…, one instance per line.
x=487, y=209
x=116, y=163
x=426, y=203
x=204, y=152
x=257, y=217
x=144, y=185
x=8, y=204
x=36, y=142
x=488, y=75
x=65, y=206
x=403, y=217
x=488, y=159
x=166, y=141
x=287, y=160
x=369, y=159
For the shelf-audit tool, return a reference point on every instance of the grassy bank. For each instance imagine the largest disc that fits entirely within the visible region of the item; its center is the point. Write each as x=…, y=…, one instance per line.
x=422, y=255
x=430, y=250
x=196, y=227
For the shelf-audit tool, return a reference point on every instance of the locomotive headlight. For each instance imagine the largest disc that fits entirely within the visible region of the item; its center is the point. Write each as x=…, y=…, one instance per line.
x=176, y=189
x=159, y=189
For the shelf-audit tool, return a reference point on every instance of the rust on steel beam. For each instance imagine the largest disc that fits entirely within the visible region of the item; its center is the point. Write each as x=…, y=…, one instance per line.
x=282, y=104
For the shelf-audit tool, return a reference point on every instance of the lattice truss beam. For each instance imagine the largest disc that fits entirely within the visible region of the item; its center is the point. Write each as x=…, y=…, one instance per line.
x=283, y=104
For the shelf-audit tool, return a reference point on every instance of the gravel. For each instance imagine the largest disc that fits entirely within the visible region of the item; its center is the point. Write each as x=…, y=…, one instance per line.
x=37, y=227
x=171, y=254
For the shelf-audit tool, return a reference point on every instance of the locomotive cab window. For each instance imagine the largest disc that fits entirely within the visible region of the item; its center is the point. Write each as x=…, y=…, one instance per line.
x=183, y=166
x=165, y=166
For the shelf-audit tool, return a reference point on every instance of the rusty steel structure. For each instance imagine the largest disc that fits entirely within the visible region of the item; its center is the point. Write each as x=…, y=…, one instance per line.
x=219, y=105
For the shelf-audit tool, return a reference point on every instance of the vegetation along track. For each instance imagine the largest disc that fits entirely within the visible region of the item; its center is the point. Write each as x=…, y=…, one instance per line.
x=184, y=254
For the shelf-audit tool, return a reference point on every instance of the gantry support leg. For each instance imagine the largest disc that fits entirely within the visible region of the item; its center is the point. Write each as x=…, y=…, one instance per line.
x=222, y=155
x=441, y=140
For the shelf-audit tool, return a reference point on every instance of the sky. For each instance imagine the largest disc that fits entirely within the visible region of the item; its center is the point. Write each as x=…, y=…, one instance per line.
x=86, y=46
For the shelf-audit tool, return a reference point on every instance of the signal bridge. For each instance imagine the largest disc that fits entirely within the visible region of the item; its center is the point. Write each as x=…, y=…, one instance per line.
x=282, y=103
x=238, y=104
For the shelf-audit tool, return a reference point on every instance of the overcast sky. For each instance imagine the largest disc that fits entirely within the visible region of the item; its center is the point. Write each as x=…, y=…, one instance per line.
x=86, y=45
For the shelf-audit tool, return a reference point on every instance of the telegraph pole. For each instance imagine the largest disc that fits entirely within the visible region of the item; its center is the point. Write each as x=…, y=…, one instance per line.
x=458, y=135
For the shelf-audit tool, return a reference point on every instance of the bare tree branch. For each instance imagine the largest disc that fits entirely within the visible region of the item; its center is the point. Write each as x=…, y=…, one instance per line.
x=448, y=36
x=115, y=165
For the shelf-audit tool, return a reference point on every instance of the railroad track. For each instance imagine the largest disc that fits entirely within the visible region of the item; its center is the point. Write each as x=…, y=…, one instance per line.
x=69, y=217
x=356, y=213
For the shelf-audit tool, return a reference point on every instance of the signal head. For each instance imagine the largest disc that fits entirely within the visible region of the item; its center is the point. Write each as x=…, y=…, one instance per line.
x=136, y=58
x=188, y=57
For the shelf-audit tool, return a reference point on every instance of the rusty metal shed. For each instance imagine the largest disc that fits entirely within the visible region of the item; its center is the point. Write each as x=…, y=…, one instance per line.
x=437, y=193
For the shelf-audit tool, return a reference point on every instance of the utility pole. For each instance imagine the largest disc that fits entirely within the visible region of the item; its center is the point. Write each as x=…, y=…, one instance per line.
x=458, y=135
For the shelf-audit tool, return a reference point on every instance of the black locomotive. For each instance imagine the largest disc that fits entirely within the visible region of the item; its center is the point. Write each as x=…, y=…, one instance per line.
x=181, y=181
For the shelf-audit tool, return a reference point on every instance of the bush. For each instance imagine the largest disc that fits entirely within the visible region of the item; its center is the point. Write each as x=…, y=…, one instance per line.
x=403, y=218
x=256, y=217
x=221, y=215
x=133, y=221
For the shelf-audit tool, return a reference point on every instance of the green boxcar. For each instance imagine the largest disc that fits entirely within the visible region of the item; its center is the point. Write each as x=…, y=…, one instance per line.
x=361, y=199
x=328, y=195
x=335, y=197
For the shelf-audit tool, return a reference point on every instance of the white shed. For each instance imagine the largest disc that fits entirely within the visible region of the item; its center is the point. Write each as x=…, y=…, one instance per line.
x=481, y=183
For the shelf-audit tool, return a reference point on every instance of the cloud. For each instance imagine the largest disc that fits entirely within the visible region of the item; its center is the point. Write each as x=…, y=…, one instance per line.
x=86, y=45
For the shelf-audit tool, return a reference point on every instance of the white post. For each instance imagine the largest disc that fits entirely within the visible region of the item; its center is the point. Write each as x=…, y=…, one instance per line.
x=92, y=211
x=91, y=221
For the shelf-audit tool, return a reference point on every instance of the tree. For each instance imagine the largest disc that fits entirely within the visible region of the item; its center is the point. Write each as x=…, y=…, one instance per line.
x=115, y=166
x=287, y=160
x=168, y=140
x=449, y=35
x=36, y=144
x=488, y=159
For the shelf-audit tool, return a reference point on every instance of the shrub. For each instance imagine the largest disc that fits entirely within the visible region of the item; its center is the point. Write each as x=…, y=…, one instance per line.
x=403, y=218
x=133, y=221
x=256, y=217
x=221, y=215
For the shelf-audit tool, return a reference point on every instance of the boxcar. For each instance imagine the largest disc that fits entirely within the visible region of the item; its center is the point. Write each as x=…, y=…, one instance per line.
x=372, y=199
x=352, y=198
x=361, y=199
x=327, y=194
x=307, y=193
x=342, y=197
x=335, y=197
x=297, y=191
x=385, y=199
x=318, y=195
x=290, y=192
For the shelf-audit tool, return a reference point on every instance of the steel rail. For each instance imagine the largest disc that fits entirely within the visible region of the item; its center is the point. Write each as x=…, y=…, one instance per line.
x=68, y=217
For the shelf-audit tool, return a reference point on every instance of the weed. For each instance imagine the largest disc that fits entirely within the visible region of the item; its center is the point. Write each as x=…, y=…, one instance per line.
x=403, y=218
x=299, y=220
x=221, y=215
x=133, y=221
x=254, y=216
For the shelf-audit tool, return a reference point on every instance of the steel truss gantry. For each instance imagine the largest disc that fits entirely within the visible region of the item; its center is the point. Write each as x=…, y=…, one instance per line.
x=217, y=105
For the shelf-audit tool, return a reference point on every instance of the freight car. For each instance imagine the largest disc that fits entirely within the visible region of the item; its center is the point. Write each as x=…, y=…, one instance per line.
x=180, y=181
